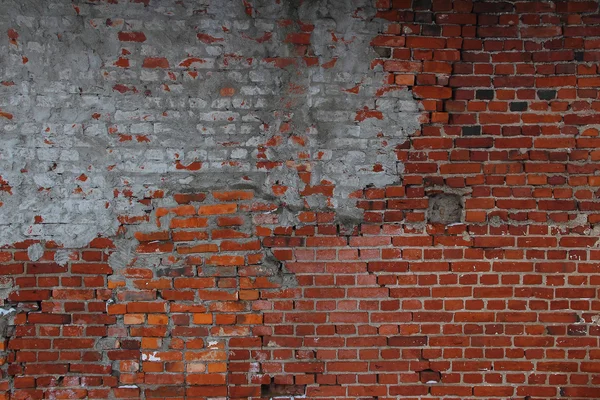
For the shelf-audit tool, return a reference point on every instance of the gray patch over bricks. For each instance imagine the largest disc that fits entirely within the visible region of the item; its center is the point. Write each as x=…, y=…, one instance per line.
x=66, y=153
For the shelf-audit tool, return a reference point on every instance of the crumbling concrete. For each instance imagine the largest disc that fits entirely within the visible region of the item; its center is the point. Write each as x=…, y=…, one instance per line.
x=104, y=106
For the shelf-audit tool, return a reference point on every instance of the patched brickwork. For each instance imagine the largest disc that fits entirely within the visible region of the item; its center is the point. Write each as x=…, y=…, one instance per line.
x=341, y=199
x=124, y=100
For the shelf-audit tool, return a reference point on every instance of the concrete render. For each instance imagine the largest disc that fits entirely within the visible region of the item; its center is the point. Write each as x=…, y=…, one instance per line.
x=105, y=105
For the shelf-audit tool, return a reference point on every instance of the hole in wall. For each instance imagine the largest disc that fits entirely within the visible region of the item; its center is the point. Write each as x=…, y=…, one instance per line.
x=276, y=390
x=444, y=208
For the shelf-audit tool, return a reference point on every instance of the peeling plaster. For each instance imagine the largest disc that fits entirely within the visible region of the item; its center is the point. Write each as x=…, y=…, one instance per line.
x=88, y=138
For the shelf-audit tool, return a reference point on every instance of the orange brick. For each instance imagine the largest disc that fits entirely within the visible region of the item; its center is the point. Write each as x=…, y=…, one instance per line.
x=218, y=209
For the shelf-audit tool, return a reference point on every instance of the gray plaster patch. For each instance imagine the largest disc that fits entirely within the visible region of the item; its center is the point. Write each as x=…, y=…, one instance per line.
x=206, y=96
x=61, y=257
x=6, y=287
x=7, y=316
x=122, y=256
x=444, y=208
x=35, y=252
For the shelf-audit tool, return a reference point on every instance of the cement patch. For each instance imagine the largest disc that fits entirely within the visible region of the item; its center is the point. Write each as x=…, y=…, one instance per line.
x=104, y=105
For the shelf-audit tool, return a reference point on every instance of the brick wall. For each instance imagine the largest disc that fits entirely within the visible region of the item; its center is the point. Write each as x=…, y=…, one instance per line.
x=329, y=199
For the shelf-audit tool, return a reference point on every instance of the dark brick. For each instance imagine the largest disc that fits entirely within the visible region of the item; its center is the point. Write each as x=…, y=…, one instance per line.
x=424, y=17
x=484, y=95
x=471, y=130
x=518, y=106
x=431, y=30
x=422, y=4
x=493, y=7
x=546, y=94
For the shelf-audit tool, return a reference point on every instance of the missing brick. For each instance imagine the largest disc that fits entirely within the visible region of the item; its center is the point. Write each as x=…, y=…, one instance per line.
x=429, y=376
x=444, y=208
x=277, y=390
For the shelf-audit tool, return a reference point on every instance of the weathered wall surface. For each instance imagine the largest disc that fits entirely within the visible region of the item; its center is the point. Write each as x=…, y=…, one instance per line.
x=322, y=198
x=106, y=102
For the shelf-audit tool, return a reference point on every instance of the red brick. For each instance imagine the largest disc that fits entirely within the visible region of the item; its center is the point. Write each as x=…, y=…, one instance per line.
x=407, y=341
x=432, y=92
x=540, y=31
x=132, y=37
x=155, y=62
x=425, y=42
x=218, y=209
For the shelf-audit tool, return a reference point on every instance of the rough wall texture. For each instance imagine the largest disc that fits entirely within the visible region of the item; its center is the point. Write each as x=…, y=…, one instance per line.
x=284, y=198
